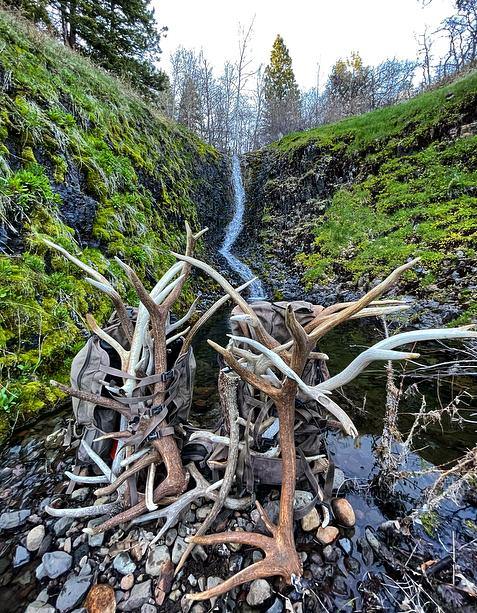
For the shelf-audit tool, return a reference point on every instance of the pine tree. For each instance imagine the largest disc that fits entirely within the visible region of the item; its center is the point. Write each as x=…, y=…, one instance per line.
x=349, y=88
x=35, y=10
x=120, y=35
x=282, y=97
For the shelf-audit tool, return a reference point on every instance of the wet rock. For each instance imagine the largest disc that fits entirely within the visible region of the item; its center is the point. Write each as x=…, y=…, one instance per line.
x=156, y=559
x=212, y=582
x=45, y=544
x=179, y=547
x=311, y=521
x=39, y=607
x=127, y=582
x=13, y=519
x=139, y=595
x=203, y=512
x=54, y=564
x=61, y=527
x=199, y=553
x=95, y=540
x=148, y=608
x=73, y=592
x=345, y=545
x=101, y=599
x=277, y=607
x=35, y=537
x=338, y=479
x=171, y=537
x=327, y=535
x=67, y=545
x=21, y=556
x=175, y=595
x=331, y=554
x=259, y=592
x=80, y=494
x=123, y=564
x=343, y=512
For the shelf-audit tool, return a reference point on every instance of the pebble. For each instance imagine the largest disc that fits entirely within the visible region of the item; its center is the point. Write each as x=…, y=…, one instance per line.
x=80, y=494
x=203, y=512
x=123, y=564
x=61, y=527
x=311, y=521
x=338, y=478
x=276, y=607
x=192, y=580
x=86, y=569
x=21, y=556
x=156, y=559
x=127, y=582
x=35, y=537
x=67, y=545
x=175, y=595
x=171, y=537
x=327, y=535
x=101, y=599
x=39, y=607
x=13, y=519
x=257, y=556
x=73, y=592
x=95, y=540
x=54, y=564
x=179, y=547
x=199, y=554
x=259, y=592
x=212, y=582
x=148, y=608
x=139, y=595
x=343, y=512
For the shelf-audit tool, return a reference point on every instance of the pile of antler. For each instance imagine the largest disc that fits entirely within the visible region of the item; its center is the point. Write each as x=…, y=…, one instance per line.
x=273, y=368
x=146, y=442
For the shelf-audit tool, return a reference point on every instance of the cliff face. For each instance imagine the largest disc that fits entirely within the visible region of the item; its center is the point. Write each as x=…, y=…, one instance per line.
x=334, y=209
x=85, y=162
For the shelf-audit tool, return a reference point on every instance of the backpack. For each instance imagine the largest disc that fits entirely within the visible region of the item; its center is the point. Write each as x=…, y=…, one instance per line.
x=97, y=365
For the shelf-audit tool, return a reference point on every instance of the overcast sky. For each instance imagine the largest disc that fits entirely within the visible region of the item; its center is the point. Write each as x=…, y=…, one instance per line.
x=315, y=31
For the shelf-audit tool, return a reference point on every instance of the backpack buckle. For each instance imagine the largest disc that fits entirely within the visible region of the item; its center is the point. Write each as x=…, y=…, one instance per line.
x=167, y=376
x=153, y=436
x=155, y=410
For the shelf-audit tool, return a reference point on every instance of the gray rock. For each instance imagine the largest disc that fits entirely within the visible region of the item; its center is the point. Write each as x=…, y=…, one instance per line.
x=259, y=592
x=338, y=478
x=80, y=494
x=175, y=595
x=35, y=537
x=13, y=519
x=171, y=537
x=61, y=527
x=139, y=595
x=212, y=582
x=123, y=564
x=39, y=607
x=199, y=554
x=54, y=564
x=95, y=540
x=179, y=547
x=21, y=556
x=157, y=557
x=73, y=592
x=277, y=607
x=148, y=608
x=202, y=512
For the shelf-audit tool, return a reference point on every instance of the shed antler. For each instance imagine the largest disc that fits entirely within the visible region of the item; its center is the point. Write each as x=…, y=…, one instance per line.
x=280, y=554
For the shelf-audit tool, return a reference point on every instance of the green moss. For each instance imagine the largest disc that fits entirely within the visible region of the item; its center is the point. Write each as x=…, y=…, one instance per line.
x=65, y=120
x=430, y=522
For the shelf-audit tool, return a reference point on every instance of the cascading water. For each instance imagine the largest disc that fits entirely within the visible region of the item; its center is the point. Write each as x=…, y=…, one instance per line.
x=256, y=291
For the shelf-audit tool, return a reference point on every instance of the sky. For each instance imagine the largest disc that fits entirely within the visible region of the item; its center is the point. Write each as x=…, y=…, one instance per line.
x=317, y=32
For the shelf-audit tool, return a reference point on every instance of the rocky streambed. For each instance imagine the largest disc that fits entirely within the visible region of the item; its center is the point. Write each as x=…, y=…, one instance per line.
x=49, y=564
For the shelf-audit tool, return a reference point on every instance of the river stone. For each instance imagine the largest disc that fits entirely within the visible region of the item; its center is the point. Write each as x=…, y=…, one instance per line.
x=311, y=521
x=276, y=607
x=73, y=592
x=39, y=607
x=54, y=564
x=327, y=535
x=156, y=559
x=61, y=527
x=101, y=599
x=338, y=478
x=212, y=582
x=13, y=519
x=21, y=556
x=139, y=595
x=127, y=582
x=179, y=547
x=80, y=494
x=35, y=537
x=259, y=592
x=95, y=540
x=148, y=608
x=123, y=564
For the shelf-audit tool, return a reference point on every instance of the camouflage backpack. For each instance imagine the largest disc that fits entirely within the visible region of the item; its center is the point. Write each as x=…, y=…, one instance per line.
x=96, y=368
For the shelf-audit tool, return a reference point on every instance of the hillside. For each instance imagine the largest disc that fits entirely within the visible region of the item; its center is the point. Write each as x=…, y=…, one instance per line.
x=84, y=161
x=346, y=203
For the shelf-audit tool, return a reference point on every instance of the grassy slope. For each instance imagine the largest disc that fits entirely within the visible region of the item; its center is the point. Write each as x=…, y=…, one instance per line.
x=62, y=119
x=415, y=191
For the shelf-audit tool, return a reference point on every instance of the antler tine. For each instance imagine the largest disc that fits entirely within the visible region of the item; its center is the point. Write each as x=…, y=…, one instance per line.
x=208, y=314
x=244, y=373
x=144, y=295
x=100, y=282
x=302, y=344
x=260, y=331
x=328, y=324
x=102, y=401
x=192, y=309
x=94, y=327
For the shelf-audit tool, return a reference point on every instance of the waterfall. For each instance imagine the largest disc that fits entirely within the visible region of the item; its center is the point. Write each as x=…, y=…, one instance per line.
x=256, y=291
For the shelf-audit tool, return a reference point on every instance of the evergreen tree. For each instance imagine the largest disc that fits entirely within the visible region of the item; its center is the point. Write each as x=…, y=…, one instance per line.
x=282, y=112
x=35, y=10
x=349, y=88
x=120, y=35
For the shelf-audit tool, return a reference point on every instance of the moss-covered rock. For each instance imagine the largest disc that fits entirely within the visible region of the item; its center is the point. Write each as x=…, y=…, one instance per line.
x=348, y=202
x=84, y=161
